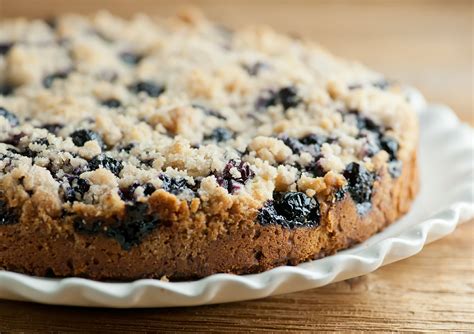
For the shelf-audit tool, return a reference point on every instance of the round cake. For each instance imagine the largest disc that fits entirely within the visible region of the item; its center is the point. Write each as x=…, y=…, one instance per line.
x=177, y=148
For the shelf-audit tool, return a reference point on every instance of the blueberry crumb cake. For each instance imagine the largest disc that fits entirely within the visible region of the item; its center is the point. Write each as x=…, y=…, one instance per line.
x=180, y=148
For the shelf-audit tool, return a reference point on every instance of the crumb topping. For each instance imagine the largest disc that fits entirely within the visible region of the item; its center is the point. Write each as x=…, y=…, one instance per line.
x=100, y=112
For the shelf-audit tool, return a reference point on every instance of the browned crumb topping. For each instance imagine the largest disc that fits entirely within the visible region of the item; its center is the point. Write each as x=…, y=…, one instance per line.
x=100, y=112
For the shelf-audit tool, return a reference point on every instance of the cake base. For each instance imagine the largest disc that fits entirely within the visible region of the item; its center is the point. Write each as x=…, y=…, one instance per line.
x=244, y=246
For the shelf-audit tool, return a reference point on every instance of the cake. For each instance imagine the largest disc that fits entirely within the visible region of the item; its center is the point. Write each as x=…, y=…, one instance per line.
x=179, y=148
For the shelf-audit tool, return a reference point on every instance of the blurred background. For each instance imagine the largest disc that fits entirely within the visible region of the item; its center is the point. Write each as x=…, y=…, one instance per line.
x=426, y=43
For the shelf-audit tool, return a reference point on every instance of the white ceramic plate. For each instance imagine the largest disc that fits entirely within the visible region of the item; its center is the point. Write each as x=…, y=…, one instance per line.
x=446, y=199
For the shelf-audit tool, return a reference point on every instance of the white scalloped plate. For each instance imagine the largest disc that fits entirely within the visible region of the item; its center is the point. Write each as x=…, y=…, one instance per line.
x=446, y=199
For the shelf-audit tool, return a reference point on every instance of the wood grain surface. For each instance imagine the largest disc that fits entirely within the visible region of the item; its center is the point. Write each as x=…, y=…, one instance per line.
x=428, y=44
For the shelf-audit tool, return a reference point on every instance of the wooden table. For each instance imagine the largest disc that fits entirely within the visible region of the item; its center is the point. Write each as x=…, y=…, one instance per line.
x=425, y=43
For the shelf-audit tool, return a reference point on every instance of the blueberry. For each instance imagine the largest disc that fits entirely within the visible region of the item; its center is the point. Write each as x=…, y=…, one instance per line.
x=27, y=152
x=313, y=143
x=390, y=145
x=314, y=139
x=127, y=147
x=360, y=182
x=294, y=144
x=80, y=137
x=209, y=111
x=106, y=162
x=130, y=58
x=290, y=210
x=5, y=47
x=315, y=168
x=80, y=185
x=53, y=127
x=310, y=144
x=395, y=168
x=381, y=84
x=220, y=135
x=76, y=189
x=150, y=88
x=41, y=141
x=134, y=227
x=112, y=103
x=14, y=140
x=173, y=185
x=376, y=140
x=365, y=123
x=6, y=89
x=10, y=117
x=227, y=180
x=148, y=189
x=8, y=216
x=48, y=80
x=295, y=205
x=147, y=162
x=244, y=169
x=354, y=86
x=267, y=99
x=289, y=97
x=127, y=194
x=254, y=69
x=286, y=96
x=268, y=215
x=371, y=145
x=340, y=194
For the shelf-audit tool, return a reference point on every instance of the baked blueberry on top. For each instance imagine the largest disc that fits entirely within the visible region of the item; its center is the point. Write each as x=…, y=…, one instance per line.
x=138, y=148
